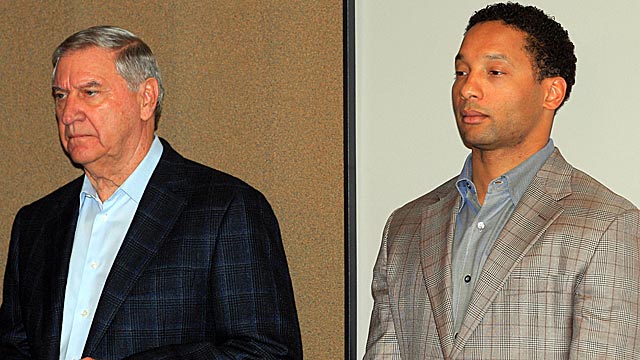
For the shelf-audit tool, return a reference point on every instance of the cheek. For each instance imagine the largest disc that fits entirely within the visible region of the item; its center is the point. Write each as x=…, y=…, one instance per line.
x=455, y=89
x=456, y=100
x=120, y=112
x=61, y=129
x=528, y=105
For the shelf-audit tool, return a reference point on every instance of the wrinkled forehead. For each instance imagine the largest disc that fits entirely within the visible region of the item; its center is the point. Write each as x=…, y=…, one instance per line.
x=88, y=60
x=85, y=65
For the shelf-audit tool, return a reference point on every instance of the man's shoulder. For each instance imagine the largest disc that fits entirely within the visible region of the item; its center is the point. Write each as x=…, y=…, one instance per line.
x=590, y=192
x=444, y=191
x=201, y=174
x=434, y=207
x=196, y=178
x=575, y=189
x=58, y=198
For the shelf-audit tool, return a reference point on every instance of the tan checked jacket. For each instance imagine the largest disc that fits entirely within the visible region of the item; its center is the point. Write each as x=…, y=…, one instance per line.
x=562, y=280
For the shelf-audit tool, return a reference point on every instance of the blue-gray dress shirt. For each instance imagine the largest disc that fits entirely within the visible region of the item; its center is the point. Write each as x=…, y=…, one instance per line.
x=478, y=226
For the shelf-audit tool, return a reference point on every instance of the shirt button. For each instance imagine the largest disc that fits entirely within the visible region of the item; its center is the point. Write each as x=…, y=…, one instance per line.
x=104, y=217
x=467, y=278
x=94, y=265
x=481, y=226
x=84, y=313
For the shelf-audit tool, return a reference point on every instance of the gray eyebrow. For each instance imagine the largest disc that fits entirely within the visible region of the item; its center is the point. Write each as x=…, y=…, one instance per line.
x=92, y=83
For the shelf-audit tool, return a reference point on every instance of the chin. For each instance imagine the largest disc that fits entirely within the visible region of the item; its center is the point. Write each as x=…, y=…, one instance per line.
x=480, y=144
x=81, y=158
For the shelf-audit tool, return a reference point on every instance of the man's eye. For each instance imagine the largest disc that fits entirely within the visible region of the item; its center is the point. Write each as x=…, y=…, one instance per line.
x=460, y=73
x=496, y=72
x=90, y=92
x=59, y=96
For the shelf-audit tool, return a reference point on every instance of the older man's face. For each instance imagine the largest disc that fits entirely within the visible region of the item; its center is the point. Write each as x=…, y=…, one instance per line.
x=99, y=117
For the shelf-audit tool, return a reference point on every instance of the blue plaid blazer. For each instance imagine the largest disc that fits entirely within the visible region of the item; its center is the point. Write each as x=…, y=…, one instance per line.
x=201, y=274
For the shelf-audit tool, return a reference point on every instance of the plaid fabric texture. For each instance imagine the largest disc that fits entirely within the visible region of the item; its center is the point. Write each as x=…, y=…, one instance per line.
x=201, y=274
x=562, y=280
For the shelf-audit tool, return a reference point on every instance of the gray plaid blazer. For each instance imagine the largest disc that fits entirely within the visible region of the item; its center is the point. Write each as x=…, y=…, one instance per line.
x=562, y=281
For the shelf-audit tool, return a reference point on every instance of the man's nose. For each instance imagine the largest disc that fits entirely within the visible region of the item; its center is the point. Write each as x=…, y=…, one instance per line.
x=471, y=88
x=70, y=110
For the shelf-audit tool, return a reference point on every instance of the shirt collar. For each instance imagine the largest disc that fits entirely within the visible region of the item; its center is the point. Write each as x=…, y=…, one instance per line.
x=520, y=177
x=464, y=183
x=136, y=183
x=517, y=179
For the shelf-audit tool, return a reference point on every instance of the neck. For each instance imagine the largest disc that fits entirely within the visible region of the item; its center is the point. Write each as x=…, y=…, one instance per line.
x=489, y=164
x=107, y=178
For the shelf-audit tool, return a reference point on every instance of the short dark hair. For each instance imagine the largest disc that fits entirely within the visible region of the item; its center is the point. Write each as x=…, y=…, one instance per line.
x=548, y=43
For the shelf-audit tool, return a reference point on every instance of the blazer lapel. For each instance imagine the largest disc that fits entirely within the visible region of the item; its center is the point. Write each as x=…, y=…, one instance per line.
x=535, y=212
x=62, y=230
x=156, y=215
x=436, y=243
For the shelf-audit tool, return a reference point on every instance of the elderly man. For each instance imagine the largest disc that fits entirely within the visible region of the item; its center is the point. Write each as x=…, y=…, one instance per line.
x=148, y=255
x=521, y=255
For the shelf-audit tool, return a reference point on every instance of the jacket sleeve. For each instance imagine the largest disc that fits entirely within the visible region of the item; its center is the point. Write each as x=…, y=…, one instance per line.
x=607, y=301
x=253, y=311
x=382, y=342
x=13, y=338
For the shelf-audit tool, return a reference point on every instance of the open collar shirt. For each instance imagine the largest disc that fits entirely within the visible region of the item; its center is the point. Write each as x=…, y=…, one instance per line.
x=99, y=233
x=478, y=226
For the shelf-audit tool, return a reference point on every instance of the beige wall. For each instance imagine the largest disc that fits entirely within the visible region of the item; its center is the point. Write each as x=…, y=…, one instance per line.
x=254, y=88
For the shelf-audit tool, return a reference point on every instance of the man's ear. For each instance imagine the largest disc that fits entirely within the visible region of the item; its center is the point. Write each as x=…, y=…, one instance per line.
x=148, y=98
x=555, y=90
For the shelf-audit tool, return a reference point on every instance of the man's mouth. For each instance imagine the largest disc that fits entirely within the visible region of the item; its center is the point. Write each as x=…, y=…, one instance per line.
x=473, y=116
x=73, y=135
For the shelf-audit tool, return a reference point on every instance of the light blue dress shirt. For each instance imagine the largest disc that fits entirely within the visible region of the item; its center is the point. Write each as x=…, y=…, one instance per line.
x=478, y=226
x=99, y=233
